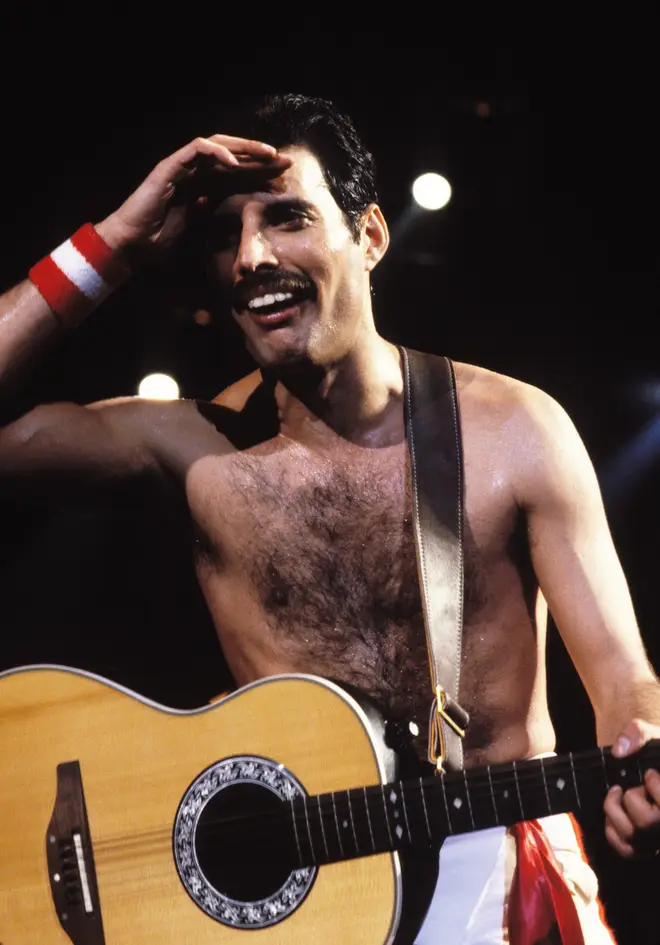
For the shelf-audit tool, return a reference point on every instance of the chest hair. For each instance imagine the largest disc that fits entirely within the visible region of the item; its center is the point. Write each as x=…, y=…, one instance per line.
x=332, y=561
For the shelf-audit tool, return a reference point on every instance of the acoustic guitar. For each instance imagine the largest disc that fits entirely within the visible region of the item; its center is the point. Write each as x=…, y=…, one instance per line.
x=272, y=816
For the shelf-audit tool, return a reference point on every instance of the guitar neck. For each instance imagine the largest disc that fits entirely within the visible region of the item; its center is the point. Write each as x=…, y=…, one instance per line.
x=387, y=817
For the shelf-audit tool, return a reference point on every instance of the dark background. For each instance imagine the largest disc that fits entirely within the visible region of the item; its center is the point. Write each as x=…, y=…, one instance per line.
x=542, y=267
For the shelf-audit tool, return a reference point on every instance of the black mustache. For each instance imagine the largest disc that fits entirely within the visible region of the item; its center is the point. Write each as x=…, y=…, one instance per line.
x=276, y=280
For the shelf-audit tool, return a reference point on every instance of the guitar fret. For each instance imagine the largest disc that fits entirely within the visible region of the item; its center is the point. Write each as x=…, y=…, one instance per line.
x=350, y=812
x=492, y=794
x=295, y=830
x=507, y=805
x=366, y=807
x=387, y=822
x=561, y=787
x=577, y=793
x=325, y=842
x=444, y=794
x=545, y=785
x=532, y=781
x=621, y=773
x=334, y=808
x=479, y=797
x=405, y=812
x=426, y=816
x=499, y=794
x=602, y=758
x=467, y=794
x=458, y=802
x=394, y=798
x=309, y=830
x=515, y=775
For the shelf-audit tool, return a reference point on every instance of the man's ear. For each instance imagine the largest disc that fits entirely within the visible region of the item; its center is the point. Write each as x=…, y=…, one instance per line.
x=375, y=236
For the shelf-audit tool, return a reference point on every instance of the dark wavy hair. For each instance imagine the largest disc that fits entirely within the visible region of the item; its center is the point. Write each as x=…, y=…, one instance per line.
x=316, y=124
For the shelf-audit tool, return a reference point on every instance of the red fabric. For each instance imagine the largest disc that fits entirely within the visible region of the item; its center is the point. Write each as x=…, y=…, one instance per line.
x=65, y=298
x=98, y=254
x=578, y=836
x=539, y=895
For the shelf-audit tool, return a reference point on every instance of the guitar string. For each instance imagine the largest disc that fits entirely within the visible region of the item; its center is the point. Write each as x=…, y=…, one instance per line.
x=431, y=785
x=385, y=845
x=477, y=785
x=477, y=788
x=261, y=838
x=255, y=834
x=374, y=792
x=484, y=798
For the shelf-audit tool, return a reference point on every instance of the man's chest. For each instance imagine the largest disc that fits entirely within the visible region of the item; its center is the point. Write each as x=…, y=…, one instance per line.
x=293, y=519
x=310, y=559
x=301, y=524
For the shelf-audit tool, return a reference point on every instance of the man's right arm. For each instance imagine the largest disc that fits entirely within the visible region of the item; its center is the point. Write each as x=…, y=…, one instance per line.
x=28, y=326
x=62, y=445
x=59, y=449
x=58, y=443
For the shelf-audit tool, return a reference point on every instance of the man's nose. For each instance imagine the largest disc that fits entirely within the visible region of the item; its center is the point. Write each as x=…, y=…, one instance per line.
x=254, y=249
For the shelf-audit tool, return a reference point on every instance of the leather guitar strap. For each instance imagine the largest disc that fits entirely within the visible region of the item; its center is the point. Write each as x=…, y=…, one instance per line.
x=434, y=444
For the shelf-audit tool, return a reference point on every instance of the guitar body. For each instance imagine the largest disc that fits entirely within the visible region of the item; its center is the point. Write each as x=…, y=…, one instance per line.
x=137, y=762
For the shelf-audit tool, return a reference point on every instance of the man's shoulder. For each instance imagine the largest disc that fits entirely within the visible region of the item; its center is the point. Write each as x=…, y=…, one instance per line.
x=522, y=423
x=243, y=413
x=136, y=408
x=494, y=390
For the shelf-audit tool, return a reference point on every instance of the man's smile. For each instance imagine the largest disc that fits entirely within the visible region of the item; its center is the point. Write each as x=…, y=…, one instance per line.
x=275, y=314
x=269, y=297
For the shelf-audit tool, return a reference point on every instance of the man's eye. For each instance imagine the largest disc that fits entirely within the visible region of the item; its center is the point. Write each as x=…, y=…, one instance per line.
x=287, y=215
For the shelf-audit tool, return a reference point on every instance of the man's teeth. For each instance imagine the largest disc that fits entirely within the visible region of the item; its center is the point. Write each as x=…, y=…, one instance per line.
x=264, y=300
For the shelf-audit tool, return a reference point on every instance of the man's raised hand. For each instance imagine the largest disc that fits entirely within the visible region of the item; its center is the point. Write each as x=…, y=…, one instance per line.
x=152, y=219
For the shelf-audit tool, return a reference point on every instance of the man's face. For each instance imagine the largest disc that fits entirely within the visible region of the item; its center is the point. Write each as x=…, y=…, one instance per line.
x=296, y=279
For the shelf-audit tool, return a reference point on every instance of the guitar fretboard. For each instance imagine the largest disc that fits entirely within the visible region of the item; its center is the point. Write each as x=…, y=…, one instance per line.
x=345, y=824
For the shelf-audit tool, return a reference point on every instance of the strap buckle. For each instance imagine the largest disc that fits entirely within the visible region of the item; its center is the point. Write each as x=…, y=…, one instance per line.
x=437, y=749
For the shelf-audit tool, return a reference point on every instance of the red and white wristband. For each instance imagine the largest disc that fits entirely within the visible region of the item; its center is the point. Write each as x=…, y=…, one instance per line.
x=77, y=276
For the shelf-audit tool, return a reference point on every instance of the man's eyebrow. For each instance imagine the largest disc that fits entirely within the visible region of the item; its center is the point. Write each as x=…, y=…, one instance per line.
x=291, y=203
x=271, y=202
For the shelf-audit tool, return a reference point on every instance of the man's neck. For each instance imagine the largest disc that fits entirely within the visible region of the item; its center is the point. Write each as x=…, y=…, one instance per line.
x=358, y=398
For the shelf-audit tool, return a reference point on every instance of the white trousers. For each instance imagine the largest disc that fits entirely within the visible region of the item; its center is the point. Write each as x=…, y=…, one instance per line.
x=475, y=875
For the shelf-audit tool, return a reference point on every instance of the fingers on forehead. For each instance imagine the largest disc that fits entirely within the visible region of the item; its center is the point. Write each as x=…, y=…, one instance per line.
x=245, y=182
x=243, y=144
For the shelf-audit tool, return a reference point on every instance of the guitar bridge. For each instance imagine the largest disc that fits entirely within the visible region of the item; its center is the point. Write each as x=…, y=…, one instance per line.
x=71, y=861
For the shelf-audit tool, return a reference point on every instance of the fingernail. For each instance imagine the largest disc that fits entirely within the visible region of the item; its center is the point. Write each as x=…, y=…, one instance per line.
x=623, y=745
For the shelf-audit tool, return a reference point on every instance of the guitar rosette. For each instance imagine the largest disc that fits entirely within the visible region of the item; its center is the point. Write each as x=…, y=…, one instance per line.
x=223, y=868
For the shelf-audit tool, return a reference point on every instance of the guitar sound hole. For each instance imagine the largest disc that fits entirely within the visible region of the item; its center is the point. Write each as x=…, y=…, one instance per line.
x=243, y=850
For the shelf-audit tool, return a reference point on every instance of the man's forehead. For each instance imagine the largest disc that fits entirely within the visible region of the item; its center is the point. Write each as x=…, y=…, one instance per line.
x=304, y=179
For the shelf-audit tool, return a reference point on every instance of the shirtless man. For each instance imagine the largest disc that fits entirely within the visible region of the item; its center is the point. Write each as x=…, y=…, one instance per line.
x=297, y=481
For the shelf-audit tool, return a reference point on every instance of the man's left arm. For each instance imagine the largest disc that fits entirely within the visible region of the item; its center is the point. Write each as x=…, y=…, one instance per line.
x=583, y=582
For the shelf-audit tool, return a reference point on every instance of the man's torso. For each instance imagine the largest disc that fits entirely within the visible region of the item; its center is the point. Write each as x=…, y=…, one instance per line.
x=305, y=554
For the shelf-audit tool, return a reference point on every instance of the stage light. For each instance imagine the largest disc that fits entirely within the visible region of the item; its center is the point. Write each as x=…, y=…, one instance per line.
x=158, y=387
x=202, y=317
x=432, y=191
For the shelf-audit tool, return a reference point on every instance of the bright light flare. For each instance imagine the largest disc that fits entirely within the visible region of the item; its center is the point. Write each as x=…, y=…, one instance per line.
x=158, y=387
x=432, y=191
